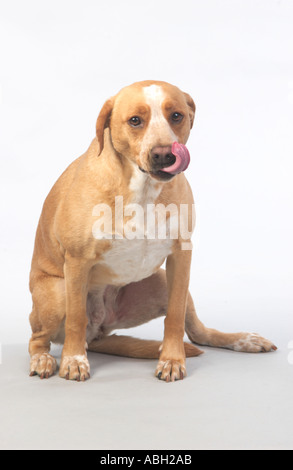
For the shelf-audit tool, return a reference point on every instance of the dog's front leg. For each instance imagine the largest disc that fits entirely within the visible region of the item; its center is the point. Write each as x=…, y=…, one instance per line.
x=171, y=365
x=74, y=362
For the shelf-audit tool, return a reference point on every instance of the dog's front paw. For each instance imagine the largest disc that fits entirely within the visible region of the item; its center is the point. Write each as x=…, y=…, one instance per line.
x=43, y=365
x=171, y=370
x=253, y=343
x=75, y=368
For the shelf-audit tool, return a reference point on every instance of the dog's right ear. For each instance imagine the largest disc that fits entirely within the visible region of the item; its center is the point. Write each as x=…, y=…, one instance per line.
x=104, y=121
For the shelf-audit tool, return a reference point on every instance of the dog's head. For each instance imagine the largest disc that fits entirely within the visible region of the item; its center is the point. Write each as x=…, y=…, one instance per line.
x=149, y=123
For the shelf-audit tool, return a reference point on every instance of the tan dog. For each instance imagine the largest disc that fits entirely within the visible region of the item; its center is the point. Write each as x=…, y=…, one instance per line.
x=83, y=285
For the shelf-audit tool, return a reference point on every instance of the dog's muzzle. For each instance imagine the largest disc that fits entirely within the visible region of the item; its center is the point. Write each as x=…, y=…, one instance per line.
x=169, y=161
x=182, y=159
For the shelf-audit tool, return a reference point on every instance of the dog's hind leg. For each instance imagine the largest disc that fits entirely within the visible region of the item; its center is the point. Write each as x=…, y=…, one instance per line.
x=47, y=320
x=141, y=302
x=242, y=342
x=148, y=299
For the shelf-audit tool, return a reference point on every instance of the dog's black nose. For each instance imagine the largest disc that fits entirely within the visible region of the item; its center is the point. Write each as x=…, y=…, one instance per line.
x=162, y=157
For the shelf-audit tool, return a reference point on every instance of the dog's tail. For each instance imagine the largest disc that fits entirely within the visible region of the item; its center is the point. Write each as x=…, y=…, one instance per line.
x=137, y=348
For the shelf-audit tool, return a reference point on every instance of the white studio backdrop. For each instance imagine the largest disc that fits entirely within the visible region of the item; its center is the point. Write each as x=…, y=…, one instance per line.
x=59, y=62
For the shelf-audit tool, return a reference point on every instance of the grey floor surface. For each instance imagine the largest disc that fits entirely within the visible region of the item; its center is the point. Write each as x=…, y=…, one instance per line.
x=229, y=401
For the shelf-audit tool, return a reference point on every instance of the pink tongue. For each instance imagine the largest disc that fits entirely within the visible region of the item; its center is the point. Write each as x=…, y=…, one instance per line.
x=182, y=159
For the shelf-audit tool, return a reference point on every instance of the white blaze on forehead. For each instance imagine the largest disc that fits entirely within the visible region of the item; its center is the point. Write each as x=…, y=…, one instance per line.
x=159, y=131
x=155, y=96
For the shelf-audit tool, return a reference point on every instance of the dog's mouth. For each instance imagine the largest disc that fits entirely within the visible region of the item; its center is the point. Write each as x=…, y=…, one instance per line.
x=178, y=164
x=159, y=175
x=181, y=159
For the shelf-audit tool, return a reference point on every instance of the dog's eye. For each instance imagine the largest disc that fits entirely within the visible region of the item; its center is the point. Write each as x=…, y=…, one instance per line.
x=177, y=117
x=135, y=121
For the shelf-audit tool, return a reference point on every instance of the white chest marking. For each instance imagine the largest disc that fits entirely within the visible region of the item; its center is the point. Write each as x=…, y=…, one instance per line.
x=134, y=260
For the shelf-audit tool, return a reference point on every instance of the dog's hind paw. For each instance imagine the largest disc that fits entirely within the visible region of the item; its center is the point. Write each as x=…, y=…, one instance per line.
x=253, y=343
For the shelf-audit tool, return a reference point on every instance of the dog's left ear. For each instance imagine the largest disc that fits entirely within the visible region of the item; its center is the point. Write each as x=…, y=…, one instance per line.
x=104, y=121
x=192, y=108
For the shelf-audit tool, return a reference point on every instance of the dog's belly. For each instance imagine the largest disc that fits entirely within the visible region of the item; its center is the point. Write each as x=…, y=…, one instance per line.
x=134, y=260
